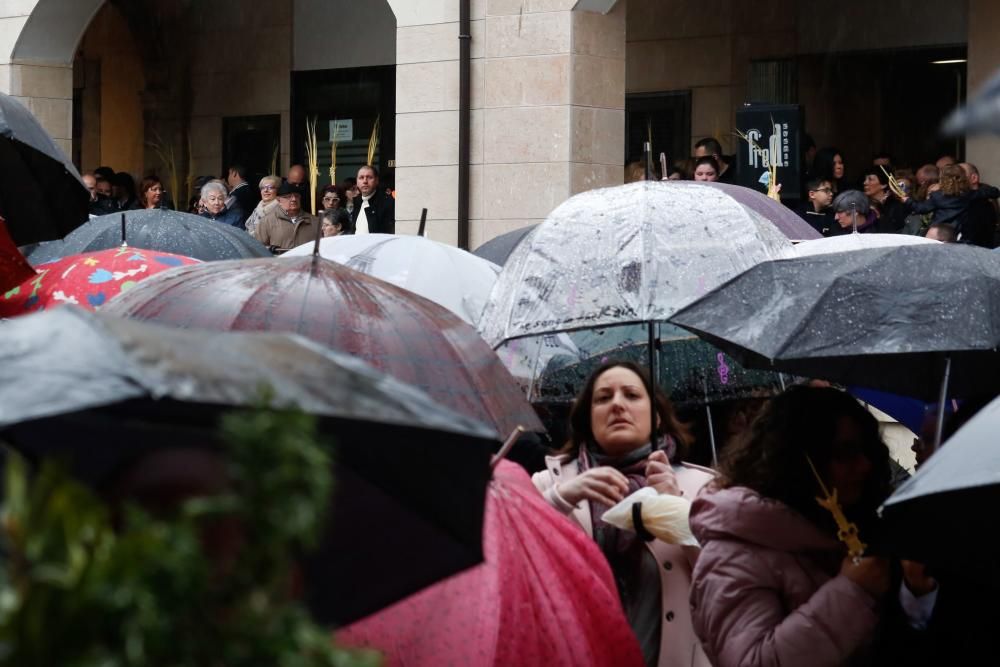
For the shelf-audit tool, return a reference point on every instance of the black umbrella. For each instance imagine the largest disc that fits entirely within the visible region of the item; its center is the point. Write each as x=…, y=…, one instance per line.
x=41, y=194
x=937, y=516
x=410, y=474
x=982, y=113
x=156, y=229
x=498, y=249
x=899, y=319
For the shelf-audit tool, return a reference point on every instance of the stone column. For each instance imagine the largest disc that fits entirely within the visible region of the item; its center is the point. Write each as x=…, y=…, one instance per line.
x=548, y=119
x=984, y=59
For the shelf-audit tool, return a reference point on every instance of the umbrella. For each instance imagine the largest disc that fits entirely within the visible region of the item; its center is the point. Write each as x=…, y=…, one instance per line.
x=156, y=229
x=88, y=280
x=102, y=391
x=498, y=249
x=41, y=194
x=398, y=332
x=14, y=268
x=782, y=217
x=937, y=516
x=982, y=113
x=544, y=596
x=899, y=319
x=857, y=241
x=448, y=276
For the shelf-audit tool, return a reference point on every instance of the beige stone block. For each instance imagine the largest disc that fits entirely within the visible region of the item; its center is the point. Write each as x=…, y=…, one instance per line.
x=442, y=231
x=433, y=188
x=477, y=81
x=657, y=19
x=477, y=136
x=430, y=86
x=429, y=43
x=10, y=30
x=10, y=8
x=41, y=81
x=430, y=12
x=538, y=81
x=598, y=135
x=598, y=82
x=599, y=35
x=532, y=134
x=584, y=177
x=528, y=35
x=513, y=7
x=678, y=64
x=476, y=192
x=428, y=139
x=66, y=146
x=55, y=115
x=524, y=191
x=711, y=111
x=5, y=78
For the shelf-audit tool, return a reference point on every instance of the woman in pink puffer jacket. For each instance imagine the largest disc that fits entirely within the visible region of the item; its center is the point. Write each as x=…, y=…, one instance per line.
x=772, y=585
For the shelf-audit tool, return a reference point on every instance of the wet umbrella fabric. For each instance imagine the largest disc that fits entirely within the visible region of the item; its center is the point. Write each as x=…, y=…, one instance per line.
x=544, y=596
x=855, y=241
x=981, y=115
x=882, y=318
x=943, y=515
x=782, y=217
x=14, y=268
x=41, y=194
x=102, y=391
x=157, y=229
x=448, y=276
x=498, y=249
x=626, y=255
x=396, y=331
x=89, y=280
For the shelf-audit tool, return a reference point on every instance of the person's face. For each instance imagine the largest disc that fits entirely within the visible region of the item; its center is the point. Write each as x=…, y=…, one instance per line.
x=297, y=175
x=905, y=184
x=934, y=234
x=846, y=219
x=704, y=172
x=232, y=179
x=620, y=411
x=154, y=195
x=675, y=176
x=971, y=175
x=91, y=184
x=850, y=466
x=367, y=182
x=268, y=191
x=330, y=229
x=103, y=188
x=822, y=196
x=944, y=161
x=214, y=202
x=290, y=204
x=701, y=151
x=838, y=166
x=331, y=200
x=872, y=186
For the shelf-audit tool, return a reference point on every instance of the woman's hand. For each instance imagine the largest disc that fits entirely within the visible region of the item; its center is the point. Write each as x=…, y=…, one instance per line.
x=915, y=576
x=660, y=475
x=870, y=572
x=604, y=485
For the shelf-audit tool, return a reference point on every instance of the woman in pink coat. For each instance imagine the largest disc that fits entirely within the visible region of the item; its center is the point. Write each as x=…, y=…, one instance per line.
x=773, y=586
x=608, y=457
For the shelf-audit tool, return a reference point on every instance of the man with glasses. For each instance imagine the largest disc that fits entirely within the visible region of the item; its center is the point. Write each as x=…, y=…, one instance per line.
x=816, y=209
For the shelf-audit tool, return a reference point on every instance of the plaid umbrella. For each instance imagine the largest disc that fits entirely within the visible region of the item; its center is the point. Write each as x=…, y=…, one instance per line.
x=89, y=280
x=396, y=331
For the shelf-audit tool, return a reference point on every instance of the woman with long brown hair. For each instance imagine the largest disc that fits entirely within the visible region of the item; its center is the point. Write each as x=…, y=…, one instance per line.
x=608, y=457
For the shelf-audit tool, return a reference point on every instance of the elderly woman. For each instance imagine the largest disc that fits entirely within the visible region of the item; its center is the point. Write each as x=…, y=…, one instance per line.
x=336, y=222
x=150, y=193
x=608, y=457
x=213, y=200
x=268, y=200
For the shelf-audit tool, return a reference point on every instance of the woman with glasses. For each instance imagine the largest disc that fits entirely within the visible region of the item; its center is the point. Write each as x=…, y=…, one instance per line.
x=268, y=200
x=333, y=198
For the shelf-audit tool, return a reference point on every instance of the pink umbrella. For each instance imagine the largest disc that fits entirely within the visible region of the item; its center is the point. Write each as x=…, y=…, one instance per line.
x=544, y=596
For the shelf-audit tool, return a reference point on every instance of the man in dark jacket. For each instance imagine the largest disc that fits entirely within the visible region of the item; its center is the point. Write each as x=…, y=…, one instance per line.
x=242, y=194
x=374, y=211
x=816, y=209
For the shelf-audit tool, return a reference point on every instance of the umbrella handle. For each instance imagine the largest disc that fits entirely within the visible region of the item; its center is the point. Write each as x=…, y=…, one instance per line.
x=507, y=446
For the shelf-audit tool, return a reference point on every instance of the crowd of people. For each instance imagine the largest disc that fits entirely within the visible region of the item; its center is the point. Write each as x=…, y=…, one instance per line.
x=277, y=211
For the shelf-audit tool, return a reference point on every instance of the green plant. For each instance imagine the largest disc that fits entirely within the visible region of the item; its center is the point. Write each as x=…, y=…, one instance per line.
x=76, y=590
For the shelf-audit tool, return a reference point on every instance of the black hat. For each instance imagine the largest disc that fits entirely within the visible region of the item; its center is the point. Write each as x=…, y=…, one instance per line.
x=287, y=188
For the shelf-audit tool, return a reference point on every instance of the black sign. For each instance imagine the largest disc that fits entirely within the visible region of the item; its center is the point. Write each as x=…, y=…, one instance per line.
x=772, y=137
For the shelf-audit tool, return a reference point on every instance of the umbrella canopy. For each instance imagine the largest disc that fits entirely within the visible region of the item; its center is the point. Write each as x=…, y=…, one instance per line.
x=498, y=249
x=14, y=268
x=981, y=115
x=544, y=596
x=782, y=217
x=156, y=229
x=102, y=391
x=626, y=255
x=448, y=276
x=936, y=517
x=398, y=332
x=41, y=194
x=883, y=318
x=88, y=280
x=857, y=241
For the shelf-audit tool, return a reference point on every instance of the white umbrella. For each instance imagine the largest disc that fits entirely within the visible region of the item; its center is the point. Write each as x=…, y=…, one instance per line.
x=857, y=242
x=444, y=274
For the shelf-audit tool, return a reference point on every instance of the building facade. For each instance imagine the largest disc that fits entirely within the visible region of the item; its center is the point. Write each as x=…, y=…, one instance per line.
x=562, y=91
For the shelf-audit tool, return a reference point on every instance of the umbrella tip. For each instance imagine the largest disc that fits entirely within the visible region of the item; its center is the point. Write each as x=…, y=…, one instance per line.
x=507, y=445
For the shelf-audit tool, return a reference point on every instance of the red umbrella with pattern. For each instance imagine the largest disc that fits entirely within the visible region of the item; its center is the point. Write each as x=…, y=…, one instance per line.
x=88, y=280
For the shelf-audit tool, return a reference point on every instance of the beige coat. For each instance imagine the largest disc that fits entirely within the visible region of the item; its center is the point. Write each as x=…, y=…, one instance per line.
x=277, y=229
x=679, y=646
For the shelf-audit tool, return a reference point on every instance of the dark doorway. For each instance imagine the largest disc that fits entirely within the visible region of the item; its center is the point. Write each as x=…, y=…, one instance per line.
x=663, y=117
x=254, y=142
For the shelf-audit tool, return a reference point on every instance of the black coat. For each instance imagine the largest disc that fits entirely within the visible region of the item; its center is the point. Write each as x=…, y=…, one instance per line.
x=952, y=209
x=247, y=198
x=381, y=213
